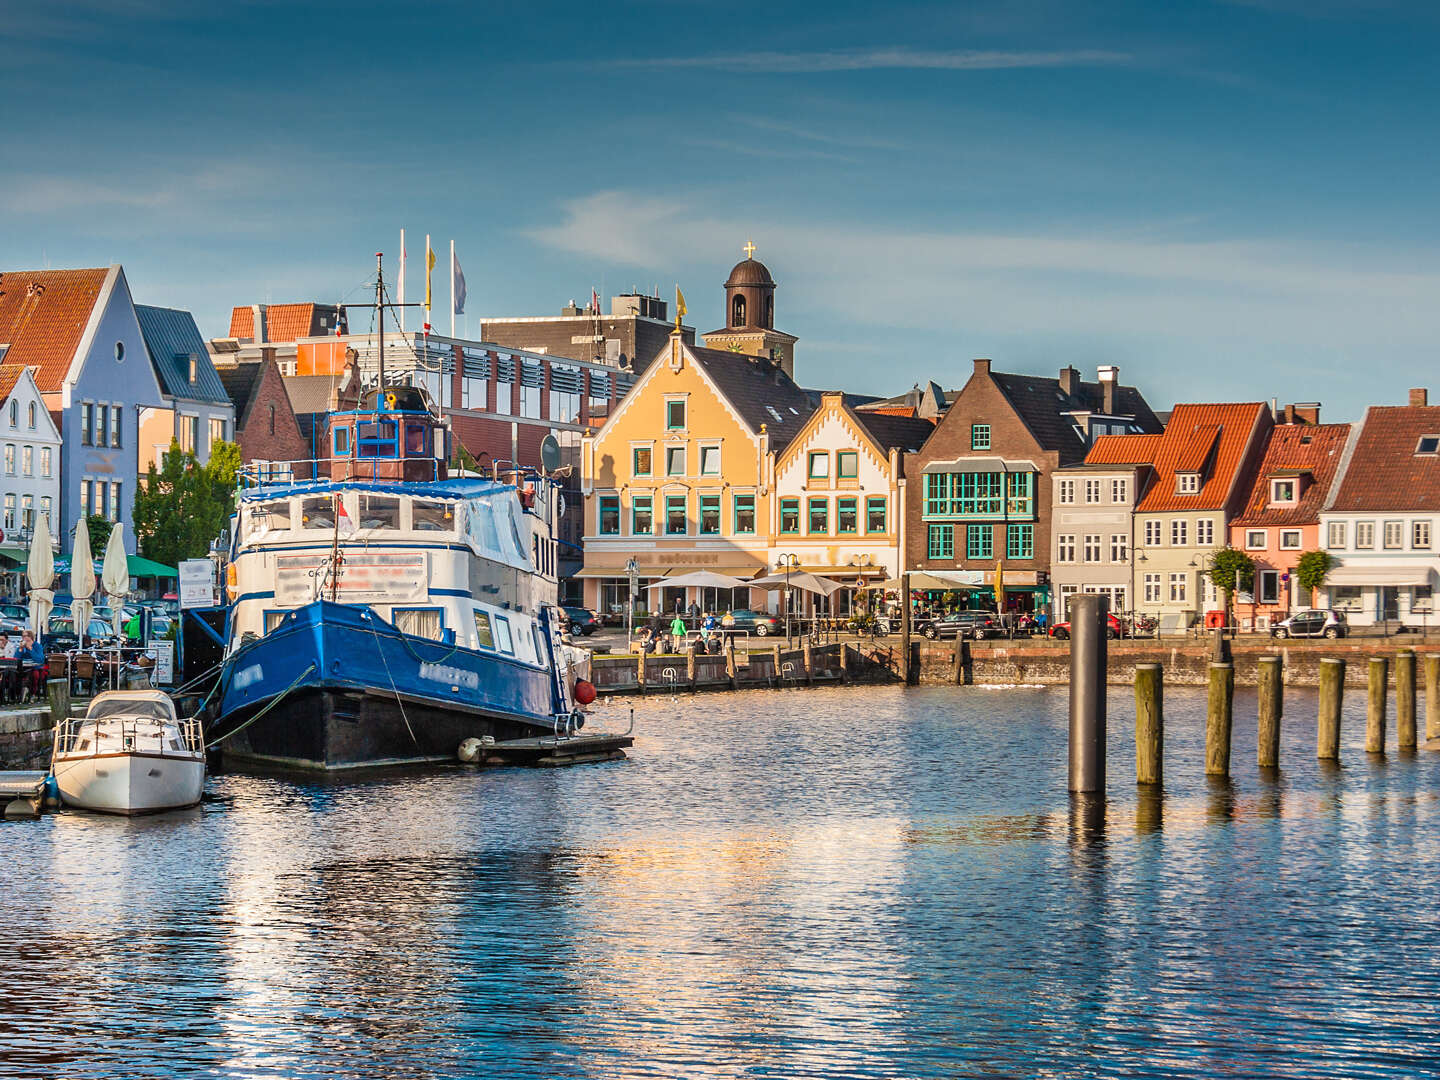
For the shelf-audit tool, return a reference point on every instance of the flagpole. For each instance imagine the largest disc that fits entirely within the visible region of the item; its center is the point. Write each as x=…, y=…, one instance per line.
x=400, y=287
x=452, y=288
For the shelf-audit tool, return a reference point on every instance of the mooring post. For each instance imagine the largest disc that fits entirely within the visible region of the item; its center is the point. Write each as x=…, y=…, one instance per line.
x=1270, y=680
x=1149, y=724
x=1088, y=659
x=905, y=629
x=1375, y=705
x=58, y=693
x=844, y=663
x=809, y=662
x=1405, y=699
x=1432, y=696
x=1219, y=718
x=1332, y=693
x=640, y=672
x=730, y=664
x=775, y=659
x=690, y=667
x=957, y=661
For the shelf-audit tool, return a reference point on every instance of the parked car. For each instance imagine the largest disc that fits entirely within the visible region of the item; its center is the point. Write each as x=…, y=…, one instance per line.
x=581, y=620
x=975, y=625
x=60, y=633
x=13, y=619
x=1312, y=623
x=1114, y=628
x=758, y=623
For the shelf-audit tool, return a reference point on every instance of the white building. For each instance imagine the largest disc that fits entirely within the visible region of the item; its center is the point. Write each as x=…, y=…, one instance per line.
x=29, y=463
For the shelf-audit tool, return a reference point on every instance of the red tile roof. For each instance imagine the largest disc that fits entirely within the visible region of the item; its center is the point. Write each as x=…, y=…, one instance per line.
x=1309, y=448
x=283, y=322
x=9, y=376
x=1221, y=433
x=43, y=314
x=1383, y=471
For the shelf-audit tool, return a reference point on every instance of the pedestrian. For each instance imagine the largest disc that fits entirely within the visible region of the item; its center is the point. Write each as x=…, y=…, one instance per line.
x=677, y=633
x=694, y=609
x=708, y=626
x=728, y=621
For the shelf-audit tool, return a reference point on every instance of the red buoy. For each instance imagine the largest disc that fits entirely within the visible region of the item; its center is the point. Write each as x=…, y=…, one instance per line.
x=584, y=691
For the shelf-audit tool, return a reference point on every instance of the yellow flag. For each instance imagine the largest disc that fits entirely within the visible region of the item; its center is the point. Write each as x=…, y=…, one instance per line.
x=429, y=265
x=679, y=304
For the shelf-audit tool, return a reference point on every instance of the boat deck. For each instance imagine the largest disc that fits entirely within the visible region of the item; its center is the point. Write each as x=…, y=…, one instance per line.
x=22, y=793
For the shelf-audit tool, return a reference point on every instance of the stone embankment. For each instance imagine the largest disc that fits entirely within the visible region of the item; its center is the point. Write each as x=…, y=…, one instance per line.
x=26, y=736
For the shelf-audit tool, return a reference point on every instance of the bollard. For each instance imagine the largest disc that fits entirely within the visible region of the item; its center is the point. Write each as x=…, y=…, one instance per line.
x=58, y=693
x=1375, y=705
x=1218, y=719
x=844, y=664
x=730, y=669
x=690, y=667
x=1405, y=699
x=775, y=660
x=1149, y=724
x=905, y=629
x=640, y=673
x=1332, y=693
x=957, y=661
x=1270, y=681
x=809, y=662
x=1088, y=658
x=1432, y=696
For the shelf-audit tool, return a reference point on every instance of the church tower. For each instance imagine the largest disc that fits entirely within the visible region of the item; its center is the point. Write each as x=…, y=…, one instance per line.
x=750, y=315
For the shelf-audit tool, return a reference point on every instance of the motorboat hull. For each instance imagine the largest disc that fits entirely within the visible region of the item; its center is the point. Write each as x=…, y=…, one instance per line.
x=130, y=783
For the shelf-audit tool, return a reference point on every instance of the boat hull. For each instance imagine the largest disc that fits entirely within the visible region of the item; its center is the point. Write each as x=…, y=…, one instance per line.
x=130, y=783
x=336, y=688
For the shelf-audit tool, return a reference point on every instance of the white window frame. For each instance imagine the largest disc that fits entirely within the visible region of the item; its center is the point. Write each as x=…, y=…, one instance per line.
x=1256, y=539
x=1120, y=490
x=1092, y=550
x=1065, y=548
x=1187, y=483
x=1179, y=588
x=1119, y=547
x=1290, y=500
x=1364, y=535
x=1291, y=540
x=1154, y=589
x=1092, y=492
x=1420, y=535
x=719, y=465
x=1154, y=533
x=1179, y=532
x=1335, y=536
x=1066, y=492
x=1395, y=529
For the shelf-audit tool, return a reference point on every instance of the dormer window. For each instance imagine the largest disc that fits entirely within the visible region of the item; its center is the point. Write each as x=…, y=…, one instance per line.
x=1187, y=483
x=1282, y=491
x=1428, y=444
x=193, y=365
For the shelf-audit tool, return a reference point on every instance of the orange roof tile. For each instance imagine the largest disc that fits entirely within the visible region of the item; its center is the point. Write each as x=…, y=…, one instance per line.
x=283, y=322
x=43, y=314
x=1312, y=448
x=1385, y=473
x=1188, y=432
x=9, y=376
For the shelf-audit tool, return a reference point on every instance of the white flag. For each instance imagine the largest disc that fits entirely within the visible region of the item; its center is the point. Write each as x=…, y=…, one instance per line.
x=457, y=285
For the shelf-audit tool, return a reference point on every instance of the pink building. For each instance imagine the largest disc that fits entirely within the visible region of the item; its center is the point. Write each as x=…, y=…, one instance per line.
x=1281, y=519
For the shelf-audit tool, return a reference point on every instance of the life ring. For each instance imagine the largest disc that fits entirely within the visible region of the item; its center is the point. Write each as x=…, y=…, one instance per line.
x=232, y=582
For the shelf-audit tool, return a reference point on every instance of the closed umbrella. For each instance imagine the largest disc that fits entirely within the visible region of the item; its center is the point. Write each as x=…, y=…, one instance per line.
x=41, y=572
x=82, y=581
x=115, y=577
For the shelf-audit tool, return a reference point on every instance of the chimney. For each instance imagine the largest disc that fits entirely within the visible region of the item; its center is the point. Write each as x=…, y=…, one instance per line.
x=1419, y=396
x=1109, y=378
x=1069, y=380
x=1304, y=412
x=982, y=367
x=257, y=312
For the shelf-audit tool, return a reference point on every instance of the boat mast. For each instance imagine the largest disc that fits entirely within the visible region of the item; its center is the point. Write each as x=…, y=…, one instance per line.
x=380, y=319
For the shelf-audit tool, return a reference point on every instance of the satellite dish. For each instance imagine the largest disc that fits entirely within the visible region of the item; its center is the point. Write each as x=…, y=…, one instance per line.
x=550, y=453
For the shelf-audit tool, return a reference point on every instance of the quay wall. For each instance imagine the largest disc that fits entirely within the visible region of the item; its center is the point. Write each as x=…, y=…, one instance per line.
x=26, y=736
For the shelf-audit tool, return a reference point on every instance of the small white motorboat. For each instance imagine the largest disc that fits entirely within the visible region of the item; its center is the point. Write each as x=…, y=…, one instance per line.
x=130, y=754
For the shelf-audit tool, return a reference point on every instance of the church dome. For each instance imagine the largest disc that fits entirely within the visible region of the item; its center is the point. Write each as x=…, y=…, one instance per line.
x=749, y=272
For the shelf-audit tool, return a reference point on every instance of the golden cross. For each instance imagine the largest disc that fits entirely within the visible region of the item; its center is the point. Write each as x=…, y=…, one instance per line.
x=749, y=249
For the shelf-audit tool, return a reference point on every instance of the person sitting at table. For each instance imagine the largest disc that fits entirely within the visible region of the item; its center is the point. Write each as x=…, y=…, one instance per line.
x=9, y=675
x=30, y=652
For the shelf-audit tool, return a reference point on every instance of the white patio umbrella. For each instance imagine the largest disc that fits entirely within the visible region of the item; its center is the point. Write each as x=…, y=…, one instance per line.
x=82, y=581
x=925, y=580
x=115, y=576
x=800, y=579
x=41, y=572
x=701, y=579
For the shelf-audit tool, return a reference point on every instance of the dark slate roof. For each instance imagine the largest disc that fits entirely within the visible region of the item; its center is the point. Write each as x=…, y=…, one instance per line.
x=310, y=393
x=1042, y=406
x=240, y=382
x=755, y=387
x=891, y=432
x=173, y=339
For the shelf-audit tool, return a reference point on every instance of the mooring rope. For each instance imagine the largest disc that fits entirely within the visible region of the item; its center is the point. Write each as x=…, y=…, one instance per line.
x=273, y=702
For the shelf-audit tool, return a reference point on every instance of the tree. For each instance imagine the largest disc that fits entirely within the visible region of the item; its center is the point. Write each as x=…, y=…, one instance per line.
x=100, y=530
x=1311, y=570
x=181, y=507
x=1231, y=568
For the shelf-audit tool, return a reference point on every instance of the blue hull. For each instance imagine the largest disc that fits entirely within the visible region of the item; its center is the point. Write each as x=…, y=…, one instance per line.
x=336, y=687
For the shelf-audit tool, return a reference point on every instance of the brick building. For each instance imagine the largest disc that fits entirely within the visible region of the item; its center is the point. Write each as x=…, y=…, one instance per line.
x=265, y=425
x=979, y=492
x=635, y=330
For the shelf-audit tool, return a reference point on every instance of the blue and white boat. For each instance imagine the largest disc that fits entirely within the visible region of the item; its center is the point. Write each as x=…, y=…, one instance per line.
x=385, y=613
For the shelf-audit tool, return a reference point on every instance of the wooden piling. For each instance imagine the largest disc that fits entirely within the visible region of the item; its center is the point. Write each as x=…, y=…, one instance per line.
x=1332, y=693
x=1270, y=679
x=775, y=659
x=1432, y=696
x=730, y=669
x=905, y=629
x=1405, y=699
x=809, y=662
x=1379, y=686
x=1149, y=724
x=640, y=672
x=57, y=691
x=844, y=663
x=957, y=662
x=690, y=667
x=1218, y=719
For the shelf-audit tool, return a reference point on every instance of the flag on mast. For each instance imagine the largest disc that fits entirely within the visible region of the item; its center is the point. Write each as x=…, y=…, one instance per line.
x=457, y=282
x=429, y=266
x=679, y=307
x=594, y=301
x=400, y=282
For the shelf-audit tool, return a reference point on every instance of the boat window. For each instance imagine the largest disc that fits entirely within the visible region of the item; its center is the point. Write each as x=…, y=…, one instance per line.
x=483, y=637
x=270, y=515
x=379, y=512
x=341, y=436
x=415, y=439
x=84, y=744
x=317, y=512
x=433, y=516
x=483, y=517
x=274, y=619
x=129, y=707
x=502, y=635
x=377, y=439
x=418, y=622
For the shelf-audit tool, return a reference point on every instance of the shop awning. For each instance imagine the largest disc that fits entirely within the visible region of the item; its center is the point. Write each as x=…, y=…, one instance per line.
x=135, y=565
x=1379, y=573
x=14, y=553
x=662, y=572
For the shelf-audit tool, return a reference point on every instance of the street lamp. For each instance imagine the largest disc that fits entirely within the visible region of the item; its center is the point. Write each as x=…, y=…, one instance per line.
x=632, y=576
x=788, y=563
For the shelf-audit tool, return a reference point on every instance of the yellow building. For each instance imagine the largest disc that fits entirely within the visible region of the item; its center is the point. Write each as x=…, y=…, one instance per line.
x=681, y=475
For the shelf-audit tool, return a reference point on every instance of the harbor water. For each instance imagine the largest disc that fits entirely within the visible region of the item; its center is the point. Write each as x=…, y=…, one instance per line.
x=862, y=882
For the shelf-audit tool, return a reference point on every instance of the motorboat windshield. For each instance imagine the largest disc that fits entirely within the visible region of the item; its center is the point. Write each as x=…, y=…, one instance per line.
x=131, y=708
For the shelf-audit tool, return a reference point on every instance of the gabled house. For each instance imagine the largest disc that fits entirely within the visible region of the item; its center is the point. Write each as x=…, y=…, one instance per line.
x=978, y=493
x=1203, y=464
x=1381, y=519
x=1092, y=528
x=30, y=468
x=79, y=333
x=265, y=425
x=197, y=413
x=1281, y=518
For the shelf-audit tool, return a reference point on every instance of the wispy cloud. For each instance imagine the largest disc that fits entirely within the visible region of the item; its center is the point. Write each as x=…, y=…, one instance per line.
x=802, y=63
x=809, y=134
x=782, y=152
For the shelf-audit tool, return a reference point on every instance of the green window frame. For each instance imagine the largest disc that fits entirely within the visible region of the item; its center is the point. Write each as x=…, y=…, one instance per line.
x=675, y=523
x=817, y=514
x=709, y=515
x=642, y=460
x=847, y=515
x=1020, y=495
x=675, y=415
x=790, y=516
x=966, y=494
x=942, y=542
x=875, y=510
x=744, y=507
x=847, y=464
x=979, y=542
x=642, y=515
x=979, y=436
x=609, y=523
x=820, y=458
x=1020, y=541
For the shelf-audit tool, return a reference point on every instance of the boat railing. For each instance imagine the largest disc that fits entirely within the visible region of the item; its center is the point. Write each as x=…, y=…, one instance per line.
x=308, y=470
x=69, y=741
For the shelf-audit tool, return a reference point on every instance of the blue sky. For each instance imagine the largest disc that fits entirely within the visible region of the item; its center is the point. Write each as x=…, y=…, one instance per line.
x=1230, y=200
